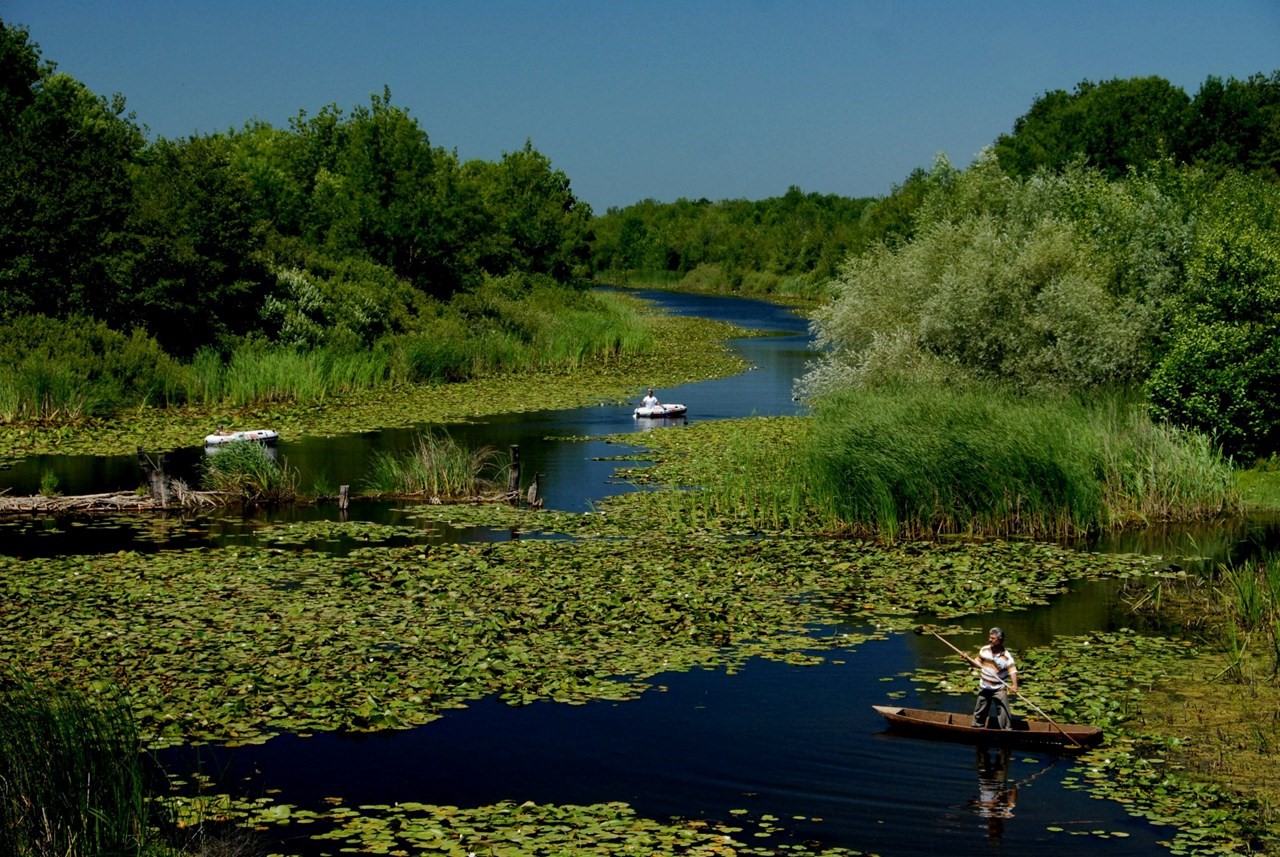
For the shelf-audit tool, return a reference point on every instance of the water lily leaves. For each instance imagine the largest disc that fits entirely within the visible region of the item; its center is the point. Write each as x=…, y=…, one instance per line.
x=247, y=642
x=510, y=828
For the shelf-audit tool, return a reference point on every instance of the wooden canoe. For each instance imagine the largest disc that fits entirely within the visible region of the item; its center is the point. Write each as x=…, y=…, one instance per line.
x=950, y=726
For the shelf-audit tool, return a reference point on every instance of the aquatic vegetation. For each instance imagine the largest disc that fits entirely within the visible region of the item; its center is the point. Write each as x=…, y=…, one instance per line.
x=269, y=640
x=506, y=828
x=918, y=462
x=1210, y=733
x=437, y=466
x=49, y=484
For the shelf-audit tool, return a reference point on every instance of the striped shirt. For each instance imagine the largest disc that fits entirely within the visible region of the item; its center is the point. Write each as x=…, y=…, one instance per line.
x=996, y=668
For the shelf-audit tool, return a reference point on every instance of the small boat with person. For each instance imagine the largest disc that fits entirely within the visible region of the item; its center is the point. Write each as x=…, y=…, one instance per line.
x=949, y=726
x=224, y=436
x=660, y=411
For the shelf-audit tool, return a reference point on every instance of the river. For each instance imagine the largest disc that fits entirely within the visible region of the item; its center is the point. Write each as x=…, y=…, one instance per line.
x=799, y=744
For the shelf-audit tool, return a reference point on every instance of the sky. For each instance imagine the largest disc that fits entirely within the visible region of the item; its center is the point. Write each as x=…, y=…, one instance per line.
x=715, y=99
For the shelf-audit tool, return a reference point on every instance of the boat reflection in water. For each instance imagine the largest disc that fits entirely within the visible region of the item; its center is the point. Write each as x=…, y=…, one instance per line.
x=996, y=797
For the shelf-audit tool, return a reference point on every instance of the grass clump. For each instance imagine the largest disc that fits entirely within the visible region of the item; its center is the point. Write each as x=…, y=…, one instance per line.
x=918, y=459
x=438, y=466
x=71, y=776
x=248, y=471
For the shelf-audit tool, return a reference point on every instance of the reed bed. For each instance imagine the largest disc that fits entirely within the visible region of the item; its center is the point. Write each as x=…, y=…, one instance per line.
x=72, y=780
x=1153, y=472
x=39, y=389
x=438, y=466
x=917, y=461
x=1248, y=600
x=65, y=371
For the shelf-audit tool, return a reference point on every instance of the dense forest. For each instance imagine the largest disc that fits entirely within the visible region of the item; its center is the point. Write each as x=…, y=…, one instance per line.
x=786, y=245
x=1121, y=237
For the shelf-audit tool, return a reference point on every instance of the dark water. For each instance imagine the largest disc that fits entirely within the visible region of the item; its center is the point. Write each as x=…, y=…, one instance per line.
x=801, y=744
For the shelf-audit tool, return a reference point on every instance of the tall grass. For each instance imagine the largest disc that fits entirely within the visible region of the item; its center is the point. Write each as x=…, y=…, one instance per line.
x=72, y=780
x=437, y=466
x=1154, y=472
x=248, y=472
x=67, y=369
x=920, y=460
x=1248, y=596
x=917, y=461
x=260, y=375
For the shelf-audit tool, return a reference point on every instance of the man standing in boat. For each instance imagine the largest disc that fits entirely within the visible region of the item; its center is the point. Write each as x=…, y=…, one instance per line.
x=998, y=676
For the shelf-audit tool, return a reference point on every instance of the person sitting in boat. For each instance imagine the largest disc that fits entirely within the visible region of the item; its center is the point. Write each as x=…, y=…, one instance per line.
x=998, y=675
x=650, y=401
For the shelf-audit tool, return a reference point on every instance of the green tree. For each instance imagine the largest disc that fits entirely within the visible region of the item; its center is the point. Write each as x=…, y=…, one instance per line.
x=64, y=185
x=538, y=226
x=368, y=185
x=1052, y=283
x=194, y=271
x=1220, y=373
x=1114, y=125
x=1235, y=124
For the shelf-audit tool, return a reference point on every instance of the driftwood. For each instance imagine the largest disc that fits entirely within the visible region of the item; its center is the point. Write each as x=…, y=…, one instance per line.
x=40, y=504
x=179, y=496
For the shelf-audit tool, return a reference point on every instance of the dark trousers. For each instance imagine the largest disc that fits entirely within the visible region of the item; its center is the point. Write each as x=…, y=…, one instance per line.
x=992, y=703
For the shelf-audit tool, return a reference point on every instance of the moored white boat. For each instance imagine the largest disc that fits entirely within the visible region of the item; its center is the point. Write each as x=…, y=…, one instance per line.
x=661, y=411
x=222, y=436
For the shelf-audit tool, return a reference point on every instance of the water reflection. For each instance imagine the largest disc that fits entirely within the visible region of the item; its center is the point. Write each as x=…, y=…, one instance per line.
x=996, y=797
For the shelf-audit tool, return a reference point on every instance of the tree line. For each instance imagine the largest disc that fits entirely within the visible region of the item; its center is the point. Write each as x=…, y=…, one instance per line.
x=191, y=240
x=790, y=243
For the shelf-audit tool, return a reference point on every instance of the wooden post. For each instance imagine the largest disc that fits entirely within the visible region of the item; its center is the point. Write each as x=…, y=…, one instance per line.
x=513, y=475
x=344, y=496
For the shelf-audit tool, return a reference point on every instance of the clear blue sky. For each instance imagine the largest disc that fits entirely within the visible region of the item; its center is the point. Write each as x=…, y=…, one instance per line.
x=695, y=98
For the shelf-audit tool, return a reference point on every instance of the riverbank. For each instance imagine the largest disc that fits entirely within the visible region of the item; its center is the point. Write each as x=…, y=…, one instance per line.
x=694, y=351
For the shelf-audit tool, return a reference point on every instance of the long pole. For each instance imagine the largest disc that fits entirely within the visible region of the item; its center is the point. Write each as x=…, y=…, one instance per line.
x=977, y=665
